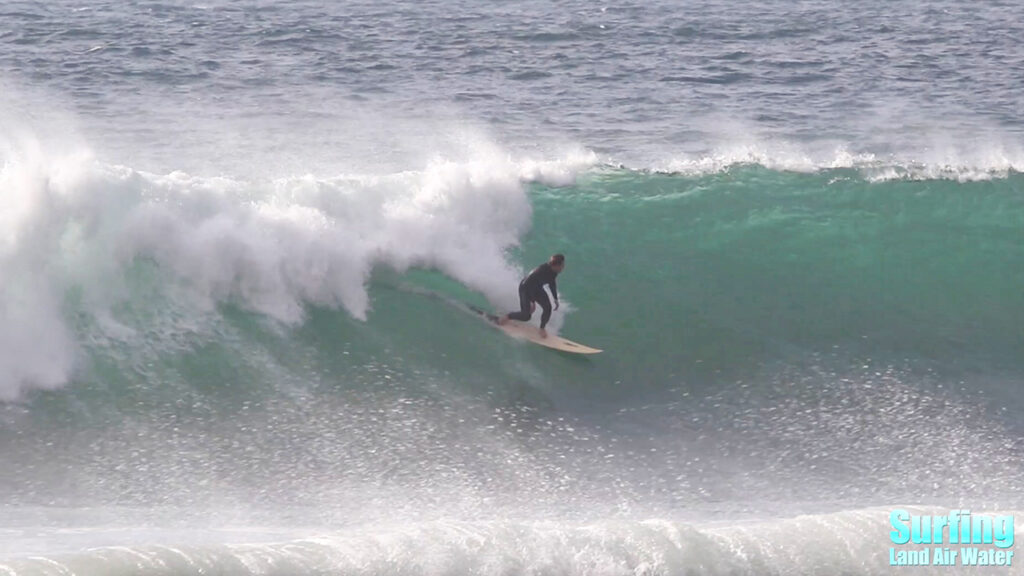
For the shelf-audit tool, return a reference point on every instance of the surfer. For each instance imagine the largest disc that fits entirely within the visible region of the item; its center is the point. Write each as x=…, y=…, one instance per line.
x=531, y=292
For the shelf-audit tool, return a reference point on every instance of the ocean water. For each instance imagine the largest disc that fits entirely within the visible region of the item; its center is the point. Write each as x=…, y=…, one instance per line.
x=238, y=239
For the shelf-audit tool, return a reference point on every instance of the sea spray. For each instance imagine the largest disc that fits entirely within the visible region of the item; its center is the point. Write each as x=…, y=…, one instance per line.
x=274, y=247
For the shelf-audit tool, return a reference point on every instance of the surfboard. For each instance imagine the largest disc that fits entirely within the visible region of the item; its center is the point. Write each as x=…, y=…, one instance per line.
x=529, y=332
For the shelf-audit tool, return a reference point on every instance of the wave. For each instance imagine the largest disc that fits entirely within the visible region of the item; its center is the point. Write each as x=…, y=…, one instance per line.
x=74, y=227
x=971, y=160
x=827, y=251
x=848, y=542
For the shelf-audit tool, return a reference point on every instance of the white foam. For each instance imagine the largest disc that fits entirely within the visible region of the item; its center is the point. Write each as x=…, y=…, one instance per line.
x=36, y=348
x=845, y=542
x=270, y=246
x=940, y=156
x=780, y=156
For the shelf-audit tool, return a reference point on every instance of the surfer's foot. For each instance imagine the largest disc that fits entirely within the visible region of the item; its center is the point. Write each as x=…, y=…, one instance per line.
x=543, y=333
x=502, y=320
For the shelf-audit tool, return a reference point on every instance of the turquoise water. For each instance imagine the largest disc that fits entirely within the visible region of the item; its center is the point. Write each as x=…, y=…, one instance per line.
x=237, y=243
x=761, y=260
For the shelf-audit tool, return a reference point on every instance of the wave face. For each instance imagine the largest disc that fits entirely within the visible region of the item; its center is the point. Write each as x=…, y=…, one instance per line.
x=728, y=269
x=761, y=259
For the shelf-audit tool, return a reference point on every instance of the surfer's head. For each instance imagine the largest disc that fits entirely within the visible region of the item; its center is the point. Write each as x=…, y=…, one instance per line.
x=557, y=262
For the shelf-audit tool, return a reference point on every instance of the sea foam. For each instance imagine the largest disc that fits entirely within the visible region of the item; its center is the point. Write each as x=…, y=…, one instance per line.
x=72, y=225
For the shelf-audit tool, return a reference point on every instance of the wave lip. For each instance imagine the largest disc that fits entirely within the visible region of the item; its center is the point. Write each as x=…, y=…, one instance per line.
x=984, y=162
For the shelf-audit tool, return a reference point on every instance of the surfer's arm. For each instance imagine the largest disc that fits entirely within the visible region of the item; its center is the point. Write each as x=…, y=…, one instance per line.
x=554, y=291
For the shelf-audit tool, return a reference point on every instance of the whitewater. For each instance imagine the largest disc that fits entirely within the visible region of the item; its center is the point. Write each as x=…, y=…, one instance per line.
x=238, y=241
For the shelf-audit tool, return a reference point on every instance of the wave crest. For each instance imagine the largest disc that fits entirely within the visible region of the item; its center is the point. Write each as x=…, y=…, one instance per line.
x=74, y=225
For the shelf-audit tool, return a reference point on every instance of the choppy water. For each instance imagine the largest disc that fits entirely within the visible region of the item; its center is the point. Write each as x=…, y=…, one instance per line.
x=235, y=239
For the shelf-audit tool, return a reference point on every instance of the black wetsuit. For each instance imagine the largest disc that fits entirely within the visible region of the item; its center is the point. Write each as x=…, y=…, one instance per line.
x=531, y=289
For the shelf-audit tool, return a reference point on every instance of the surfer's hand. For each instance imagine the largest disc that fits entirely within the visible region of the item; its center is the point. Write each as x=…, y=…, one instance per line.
x=556, y=304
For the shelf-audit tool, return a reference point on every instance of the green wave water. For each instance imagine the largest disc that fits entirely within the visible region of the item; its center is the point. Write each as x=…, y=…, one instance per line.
x=735, y=267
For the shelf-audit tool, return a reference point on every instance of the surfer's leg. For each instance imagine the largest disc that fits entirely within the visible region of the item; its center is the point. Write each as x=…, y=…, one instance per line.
x=524, y=306
x=542, y=298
